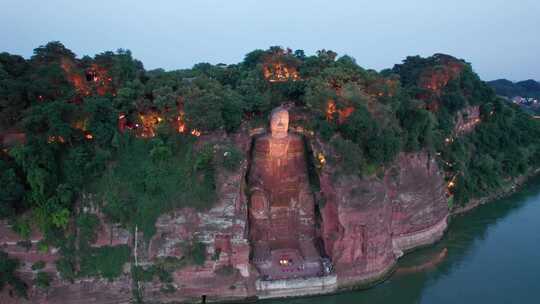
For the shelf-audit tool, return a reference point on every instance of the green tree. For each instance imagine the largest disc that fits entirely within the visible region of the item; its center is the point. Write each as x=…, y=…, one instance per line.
x=12, y=190
x=8, y=266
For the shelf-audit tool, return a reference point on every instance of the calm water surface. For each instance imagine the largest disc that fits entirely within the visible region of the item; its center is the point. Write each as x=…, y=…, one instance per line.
x=489, y=255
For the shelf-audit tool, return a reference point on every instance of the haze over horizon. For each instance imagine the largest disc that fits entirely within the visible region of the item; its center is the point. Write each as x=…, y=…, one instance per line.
x=497, y=37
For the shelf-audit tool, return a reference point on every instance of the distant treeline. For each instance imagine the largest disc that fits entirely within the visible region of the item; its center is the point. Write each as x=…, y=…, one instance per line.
x=526, y=88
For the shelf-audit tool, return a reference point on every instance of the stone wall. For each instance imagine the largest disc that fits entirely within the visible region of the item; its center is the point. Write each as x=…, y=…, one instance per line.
x=407, y=242
x=296, y=287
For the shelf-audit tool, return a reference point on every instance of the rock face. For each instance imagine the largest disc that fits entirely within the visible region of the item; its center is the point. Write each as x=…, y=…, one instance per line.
x=367, y=223
x=88, y=290
x=420, y=205
x=433, y=79
x=467, y=119
x=226, y=273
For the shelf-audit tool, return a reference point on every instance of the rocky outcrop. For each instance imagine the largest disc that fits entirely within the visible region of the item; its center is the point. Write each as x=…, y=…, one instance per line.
x=367, y=223
x=84, y=290
x=226, y=273
x=467, y=119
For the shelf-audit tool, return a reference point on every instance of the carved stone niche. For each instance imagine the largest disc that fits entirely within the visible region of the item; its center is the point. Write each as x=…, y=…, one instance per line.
x=281, y=207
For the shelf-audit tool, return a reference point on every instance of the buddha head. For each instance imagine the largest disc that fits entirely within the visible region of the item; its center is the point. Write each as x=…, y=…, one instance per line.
x=279, y=122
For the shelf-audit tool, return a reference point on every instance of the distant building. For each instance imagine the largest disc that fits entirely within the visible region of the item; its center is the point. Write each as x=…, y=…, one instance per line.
x=519, y=100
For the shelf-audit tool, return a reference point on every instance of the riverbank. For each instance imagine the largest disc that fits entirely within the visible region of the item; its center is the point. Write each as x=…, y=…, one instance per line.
x=438, y=231
x=489, y=255
x=512, y=186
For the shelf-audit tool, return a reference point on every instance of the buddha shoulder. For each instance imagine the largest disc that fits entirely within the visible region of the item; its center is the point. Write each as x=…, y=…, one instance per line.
x=296, y=144
x=293, y=142
x=262, y=144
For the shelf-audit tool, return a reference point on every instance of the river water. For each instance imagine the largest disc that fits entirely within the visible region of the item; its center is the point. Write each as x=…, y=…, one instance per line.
x=489, y=255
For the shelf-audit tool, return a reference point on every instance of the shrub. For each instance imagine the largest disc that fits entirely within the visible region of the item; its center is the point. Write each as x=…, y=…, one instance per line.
x=66, y=268
x=42, y=246
x=66, y=265
x=87, y=224
x=148, y=274
x=138, y=188
x=216, y=254
x=350, y=157
x=198, y=253
x=231, y=157
x=8, y=267
x=106, y=261
x=22, y=227
x=43, y=280
x=38, y=265
x=195, y=252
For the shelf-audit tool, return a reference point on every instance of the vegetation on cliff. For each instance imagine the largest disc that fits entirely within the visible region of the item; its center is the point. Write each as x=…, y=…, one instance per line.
x=105, y=125
x=8, y=266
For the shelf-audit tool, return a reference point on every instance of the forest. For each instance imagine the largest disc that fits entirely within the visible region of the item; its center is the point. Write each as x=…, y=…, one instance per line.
x=75, y=129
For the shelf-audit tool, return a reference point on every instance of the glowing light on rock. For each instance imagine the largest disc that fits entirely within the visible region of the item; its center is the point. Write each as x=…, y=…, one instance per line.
x=330, y=110
x=321, y=158
x=343, y=114
x=451, y=185
x=181, y=123
x=150, y=122
x=279, y=72
x=94, y=79
x=54, y=139
x=73, y=76
x=280, y=66
x=102, y=82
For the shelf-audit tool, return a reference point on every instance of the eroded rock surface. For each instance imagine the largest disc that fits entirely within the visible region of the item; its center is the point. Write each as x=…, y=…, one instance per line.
x=367, y=223
x=226, y=272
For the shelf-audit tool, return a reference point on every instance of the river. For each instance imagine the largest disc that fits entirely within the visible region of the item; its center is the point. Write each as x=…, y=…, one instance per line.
x=489, y=255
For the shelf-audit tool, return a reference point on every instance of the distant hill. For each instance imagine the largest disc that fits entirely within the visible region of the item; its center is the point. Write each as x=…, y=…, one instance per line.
x=526, y=88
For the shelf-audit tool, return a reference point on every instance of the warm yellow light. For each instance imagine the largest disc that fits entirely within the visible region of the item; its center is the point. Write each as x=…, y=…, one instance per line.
x=321, y=158
x=195, y=132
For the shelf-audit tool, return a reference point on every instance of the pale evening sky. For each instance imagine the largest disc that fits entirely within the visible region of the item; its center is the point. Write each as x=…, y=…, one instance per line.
x=500, y=38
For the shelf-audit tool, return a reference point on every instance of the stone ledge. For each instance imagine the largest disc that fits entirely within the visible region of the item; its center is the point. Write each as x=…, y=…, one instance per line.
x=410, y=241
x=296, y=287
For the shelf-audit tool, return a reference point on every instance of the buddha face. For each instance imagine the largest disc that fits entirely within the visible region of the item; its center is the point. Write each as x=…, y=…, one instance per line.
x=279, y=123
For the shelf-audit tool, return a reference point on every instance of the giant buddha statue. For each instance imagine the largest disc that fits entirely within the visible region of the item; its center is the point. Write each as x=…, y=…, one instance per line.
x=281, y=210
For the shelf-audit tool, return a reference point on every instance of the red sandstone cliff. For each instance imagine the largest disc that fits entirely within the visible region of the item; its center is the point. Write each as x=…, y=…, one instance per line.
x=367, y=223
x=223, y=230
